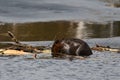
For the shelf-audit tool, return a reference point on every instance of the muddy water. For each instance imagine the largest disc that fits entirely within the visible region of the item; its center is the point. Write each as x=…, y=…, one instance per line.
x=48, y=31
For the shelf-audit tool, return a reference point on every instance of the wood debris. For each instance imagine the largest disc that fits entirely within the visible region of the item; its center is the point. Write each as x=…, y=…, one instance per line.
x=105, y=48
x=19, y=48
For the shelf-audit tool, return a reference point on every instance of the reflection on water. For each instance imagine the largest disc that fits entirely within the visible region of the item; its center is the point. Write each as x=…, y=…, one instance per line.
x=59, y=29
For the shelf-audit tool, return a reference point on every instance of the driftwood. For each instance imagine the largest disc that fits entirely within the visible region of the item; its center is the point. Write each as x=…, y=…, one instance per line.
x=21, y=49
x=24, y=47
x=105, y=48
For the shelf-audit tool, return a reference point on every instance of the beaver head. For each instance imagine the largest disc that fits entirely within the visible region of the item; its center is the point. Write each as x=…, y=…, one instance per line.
x=56, y=48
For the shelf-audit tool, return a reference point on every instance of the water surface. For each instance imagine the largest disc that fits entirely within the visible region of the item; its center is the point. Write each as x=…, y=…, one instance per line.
x=39, y=22
x=100, y=65
x=48, y=31
x=47, y=10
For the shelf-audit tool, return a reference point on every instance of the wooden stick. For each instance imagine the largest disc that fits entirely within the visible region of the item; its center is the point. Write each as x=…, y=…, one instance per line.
x=21, y=49
x=13, y=37
x=105, y=48
x=24, y=47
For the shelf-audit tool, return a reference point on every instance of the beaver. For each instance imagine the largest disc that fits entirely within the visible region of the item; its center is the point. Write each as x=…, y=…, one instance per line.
x=71, y=46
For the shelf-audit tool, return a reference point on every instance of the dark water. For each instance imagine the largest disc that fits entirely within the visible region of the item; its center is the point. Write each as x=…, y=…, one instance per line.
x=48, y=31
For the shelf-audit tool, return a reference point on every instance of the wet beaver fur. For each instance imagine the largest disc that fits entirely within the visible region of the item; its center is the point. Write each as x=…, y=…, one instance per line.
x=71, y=46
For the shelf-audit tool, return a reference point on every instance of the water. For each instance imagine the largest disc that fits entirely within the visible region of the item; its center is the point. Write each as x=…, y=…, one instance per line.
x=100, y=65
x=47, y=10
x=48, y=31
x=39, y=22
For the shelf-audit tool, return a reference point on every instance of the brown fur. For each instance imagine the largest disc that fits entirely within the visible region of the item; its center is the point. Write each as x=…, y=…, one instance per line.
x=74, y=47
